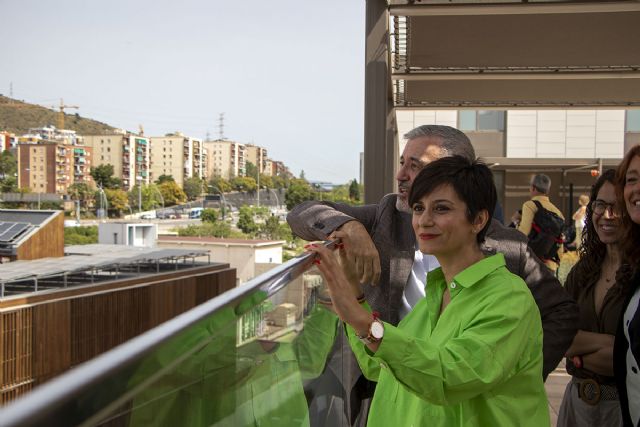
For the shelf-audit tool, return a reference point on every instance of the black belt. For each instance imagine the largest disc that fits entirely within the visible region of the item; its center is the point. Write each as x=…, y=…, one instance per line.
x=592, y=392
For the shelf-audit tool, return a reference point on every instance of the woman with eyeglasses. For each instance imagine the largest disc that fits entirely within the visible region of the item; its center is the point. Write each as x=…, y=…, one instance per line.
x=591, y=398
x=627, y=347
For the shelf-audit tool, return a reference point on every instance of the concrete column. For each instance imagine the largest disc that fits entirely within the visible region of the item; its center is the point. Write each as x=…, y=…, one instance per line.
x=380, y=147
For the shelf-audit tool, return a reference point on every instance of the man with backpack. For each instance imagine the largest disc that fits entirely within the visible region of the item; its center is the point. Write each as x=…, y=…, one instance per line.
x=542, y=222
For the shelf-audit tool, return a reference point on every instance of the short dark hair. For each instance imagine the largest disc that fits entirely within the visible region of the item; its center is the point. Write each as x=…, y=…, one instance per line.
x=471, y=180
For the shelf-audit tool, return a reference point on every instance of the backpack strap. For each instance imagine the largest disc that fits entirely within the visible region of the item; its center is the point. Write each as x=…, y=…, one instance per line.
x=535, y=227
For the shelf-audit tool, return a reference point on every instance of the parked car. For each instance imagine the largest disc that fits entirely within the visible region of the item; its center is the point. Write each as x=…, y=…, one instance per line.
x=167, y=214
x=195, y=213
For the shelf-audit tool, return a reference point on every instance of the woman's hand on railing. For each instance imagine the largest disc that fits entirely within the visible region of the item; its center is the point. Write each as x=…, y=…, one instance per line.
x=344, y=288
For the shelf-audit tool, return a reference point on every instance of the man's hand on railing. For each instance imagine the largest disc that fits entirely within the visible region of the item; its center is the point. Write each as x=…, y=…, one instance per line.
x=359, y=252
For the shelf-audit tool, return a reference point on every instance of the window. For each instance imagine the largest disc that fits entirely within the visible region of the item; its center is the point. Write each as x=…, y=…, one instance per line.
x=491, y=120
x=633, y=121
x=467, y=120
x=479, y=120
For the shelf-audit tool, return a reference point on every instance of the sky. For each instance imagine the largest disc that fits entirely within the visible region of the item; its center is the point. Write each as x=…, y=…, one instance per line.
x=288, y=75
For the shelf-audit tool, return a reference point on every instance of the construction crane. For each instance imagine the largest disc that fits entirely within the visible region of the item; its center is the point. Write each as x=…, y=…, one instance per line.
x=62, y=106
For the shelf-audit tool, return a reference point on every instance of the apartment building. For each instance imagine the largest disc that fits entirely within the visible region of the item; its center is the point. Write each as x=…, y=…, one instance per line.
x=226, y=159
x=258, y=156
x=7, y=141
x=278, y=168
x=268, y=167
x=177, y=155
x=567, y=145
x=51, y=167
x=128, y=153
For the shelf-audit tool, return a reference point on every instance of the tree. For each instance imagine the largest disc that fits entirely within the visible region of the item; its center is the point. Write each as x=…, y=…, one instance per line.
x=251, y=170
x=172, y=193
x=304, y=178
x=209, y=215
x=246, y=222
x=8, y=172
x=354, y=190
x=9, y=185
x=193, y=187
x=220, y=184
x=280, y=181
x=8, y=165
x=164, y=178
x=266, y=181
x=117, y=200
x=299, y=191
x=244, y=183
x=80, y=191
x=103, y=176
x=151, y=195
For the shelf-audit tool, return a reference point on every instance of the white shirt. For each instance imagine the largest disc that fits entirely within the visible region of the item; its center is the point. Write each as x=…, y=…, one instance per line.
x=415, y=289
x=633, y=365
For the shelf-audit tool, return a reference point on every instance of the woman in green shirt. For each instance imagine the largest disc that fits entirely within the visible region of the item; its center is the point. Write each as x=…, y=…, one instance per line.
x=470, y=352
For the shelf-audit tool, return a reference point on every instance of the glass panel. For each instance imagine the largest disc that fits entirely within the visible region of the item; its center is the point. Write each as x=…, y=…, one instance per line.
x=633, y=120
x=258, y=364
x=467, y=120
x=265, y=358
x=491, y=120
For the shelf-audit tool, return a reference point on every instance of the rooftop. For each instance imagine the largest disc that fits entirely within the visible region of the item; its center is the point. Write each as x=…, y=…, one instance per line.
x=219, y=241
x=84, y=264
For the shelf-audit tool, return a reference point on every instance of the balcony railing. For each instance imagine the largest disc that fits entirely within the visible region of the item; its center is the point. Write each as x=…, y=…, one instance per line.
x=256, y=355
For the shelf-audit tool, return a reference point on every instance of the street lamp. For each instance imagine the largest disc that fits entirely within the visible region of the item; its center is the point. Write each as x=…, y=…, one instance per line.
x=104, y=204
x=159, y=194
x=277, y=199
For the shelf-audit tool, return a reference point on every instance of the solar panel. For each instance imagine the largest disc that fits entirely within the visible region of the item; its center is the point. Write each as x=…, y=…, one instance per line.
x=13, y=231
x=4, y=226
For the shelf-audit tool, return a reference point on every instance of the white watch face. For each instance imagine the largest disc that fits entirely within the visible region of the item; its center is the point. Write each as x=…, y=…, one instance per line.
x=377, y=330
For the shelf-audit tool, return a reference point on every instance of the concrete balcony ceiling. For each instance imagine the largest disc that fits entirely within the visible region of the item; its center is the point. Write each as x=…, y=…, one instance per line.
x=528, y=55
x=475, y=54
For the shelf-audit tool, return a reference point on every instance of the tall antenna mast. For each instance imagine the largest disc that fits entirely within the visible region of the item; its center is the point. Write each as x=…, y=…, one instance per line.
x=10, y=89
x=221, y=126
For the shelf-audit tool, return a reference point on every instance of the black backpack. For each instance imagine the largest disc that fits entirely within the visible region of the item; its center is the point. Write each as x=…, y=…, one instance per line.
x=545, y=236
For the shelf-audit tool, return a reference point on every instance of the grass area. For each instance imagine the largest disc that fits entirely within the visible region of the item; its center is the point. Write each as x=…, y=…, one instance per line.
x=81, y=235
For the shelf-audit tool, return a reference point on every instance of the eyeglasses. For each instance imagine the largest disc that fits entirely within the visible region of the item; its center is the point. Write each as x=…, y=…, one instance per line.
x=598, y=207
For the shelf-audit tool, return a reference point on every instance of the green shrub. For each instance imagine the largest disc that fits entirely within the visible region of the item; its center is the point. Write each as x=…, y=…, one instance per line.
x=81, y=235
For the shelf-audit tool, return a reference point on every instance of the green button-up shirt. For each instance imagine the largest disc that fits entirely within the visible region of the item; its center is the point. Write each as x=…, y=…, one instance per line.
x=479, y=363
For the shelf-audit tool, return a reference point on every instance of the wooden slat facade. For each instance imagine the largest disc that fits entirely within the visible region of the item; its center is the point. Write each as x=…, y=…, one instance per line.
x=47, y=242
x=44, y=336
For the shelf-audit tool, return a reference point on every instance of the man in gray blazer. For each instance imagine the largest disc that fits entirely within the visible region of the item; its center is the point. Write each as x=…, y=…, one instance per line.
x=380, y=243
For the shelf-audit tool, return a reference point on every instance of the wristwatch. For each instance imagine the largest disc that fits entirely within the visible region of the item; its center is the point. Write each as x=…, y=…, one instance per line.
x=376, y=331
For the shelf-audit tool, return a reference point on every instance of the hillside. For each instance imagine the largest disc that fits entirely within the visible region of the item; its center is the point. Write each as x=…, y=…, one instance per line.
x=17, y=117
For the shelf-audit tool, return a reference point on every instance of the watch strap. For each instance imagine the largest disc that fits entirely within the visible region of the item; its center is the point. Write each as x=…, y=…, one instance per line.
x=370, y=339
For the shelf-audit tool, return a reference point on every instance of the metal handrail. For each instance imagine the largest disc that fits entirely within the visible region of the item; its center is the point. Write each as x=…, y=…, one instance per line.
x=46, y=403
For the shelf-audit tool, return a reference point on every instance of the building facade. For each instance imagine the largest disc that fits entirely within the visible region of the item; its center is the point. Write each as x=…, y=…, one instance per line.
x=571, y=146
x=51, y=167
x=258, y=156
x=177, y=155
x=226, y=159
x=128, y=153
